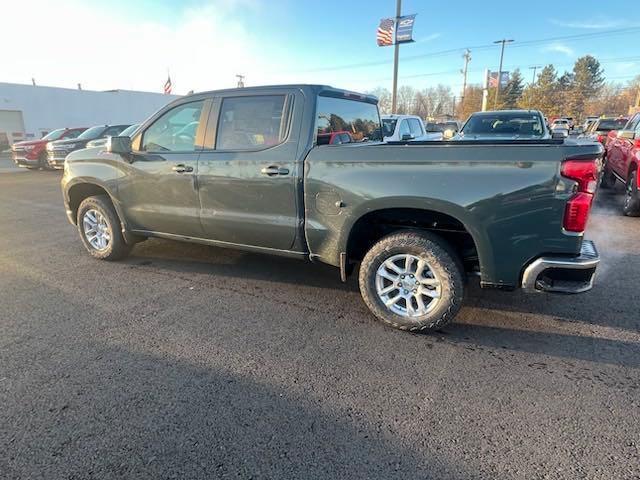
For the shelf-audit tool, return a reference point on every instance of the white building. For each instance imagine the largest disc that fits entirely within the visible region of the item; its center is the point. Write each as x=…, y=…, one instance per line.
x=29, y=112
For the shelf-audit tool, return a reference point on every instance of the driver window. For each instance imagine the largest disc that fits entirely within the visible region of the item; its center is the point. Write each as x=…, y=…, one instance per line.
x=248, y=123
x=175, y=131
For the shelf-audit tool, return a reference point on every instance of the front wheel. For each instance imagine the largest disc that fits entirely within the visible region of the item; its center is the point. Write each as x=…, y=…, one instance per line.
x=99, y=229
x=412, y=281
x=632, y=198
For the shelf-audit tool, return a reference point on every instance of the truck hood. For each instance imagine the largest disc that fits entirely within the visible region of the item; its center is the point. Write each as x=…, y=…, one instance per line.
x=29, y=143
x=70, y=141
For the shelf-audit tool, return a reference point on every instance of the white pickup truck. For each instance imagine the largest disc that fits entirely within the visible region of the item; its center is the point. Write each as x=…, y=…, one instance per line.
x=400, y=128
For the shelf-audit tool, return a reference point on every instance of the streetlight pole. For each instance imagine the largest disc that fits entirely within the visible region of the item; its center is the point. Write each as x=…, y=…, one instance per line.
x=534, y=68
x=467, y=59
x=504, y=41
x=396, y=54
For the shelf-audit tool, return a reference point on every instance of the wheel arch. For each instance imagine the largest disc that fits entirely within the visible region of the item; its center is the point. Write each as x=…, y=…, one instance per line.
x=448, y=221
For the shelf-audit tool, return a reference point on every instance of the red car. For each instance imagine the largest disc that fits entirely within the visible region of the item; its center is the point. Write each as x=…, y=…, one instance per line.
x=334, y=138
x=622, y=164
x=32, y=154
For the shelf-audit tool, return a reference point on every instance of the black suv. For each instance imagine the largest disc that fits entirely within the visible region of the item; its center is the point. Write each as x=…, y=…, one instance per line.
x=57, y=151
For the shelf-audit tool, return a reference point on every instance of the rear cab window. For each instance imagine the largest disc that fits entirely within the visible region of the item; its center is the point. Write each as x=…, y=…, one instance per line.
x=359, y=121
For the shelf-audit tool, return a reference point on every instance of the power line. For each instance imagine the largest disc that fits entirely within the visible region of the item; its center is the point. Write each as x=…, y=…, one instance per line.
x=452, y=51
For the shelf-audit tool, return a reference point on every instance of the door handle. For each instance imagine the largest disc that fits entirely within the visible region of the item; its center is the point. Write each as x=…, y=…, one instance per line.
x=181, y=168
x=273, y=170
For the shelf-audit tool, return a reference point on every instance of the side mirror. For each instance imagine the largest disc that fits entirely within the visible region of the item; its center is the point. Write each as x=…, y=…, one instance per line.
x=407, y=136
x=119, y=145
x=627, y=134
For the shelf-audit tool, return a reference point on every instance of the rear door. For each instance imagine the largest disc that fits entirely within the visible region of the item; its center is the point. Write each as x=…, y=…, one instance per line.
x=248, y=180
x=159, y=192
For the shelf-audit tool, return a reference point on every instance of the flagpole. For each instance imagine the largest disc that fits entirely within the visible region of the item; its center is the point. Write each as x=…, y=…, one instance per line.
x=396, y=54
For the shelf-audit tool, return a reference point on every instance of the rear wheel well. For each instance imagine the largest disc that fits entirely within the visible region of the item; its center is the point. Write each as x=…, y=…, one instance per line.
x=79, y=192
x=375, y=225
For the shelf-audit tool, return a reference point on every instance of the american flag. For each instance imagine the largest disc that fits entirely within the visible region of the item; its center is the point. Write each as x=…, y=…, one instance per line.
x=385, y=32
x=167, y=86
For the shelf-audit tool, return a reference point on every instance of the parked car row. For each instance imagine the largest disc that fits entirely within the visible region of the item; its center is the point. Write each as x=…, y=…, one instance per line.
x=622, y=163
x=50, y=151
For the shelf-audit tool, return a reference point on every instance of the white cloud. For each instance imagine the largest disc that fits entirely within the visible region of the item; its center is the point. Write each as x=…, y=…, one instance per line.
x=429, y=38
x=106, y=48
x=560, y=48
x=592, y=24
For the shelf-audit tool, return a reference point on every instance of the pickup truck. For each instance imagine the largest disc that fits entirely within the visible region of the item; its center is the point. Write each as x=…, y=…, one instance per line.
x=406, y=127
x=418, y=218
x=623, y=164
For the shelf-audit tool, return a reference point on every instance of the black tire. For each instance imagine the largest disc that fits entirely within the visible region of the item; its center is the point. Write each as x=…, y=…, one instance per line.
x=632, y=197
x=117, y=248
x=42, y=159
x=608, y=180
x=443, y=262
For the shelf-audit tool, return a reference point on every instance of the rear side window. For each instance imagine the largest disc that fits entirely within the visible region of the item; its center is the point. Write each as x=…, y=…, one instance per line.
x=415, y=127
x=249, y=123
x=359, y=120
x=175, y=130
x=404, y=128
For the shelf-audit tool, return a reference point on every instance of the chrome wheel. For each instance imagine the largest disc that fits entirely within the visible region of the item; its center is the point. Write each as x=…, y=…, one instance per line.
x=96, y=229
x=408, y=286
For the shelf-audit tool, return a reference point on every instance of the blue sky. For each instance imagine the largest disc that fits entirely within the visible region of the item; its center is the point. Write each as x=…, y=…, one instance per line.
x=204, y=43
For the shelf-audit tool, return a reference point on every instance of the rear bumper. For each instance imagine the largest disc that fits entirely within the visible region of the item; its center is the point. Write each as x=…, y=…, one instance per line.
x=563, y=274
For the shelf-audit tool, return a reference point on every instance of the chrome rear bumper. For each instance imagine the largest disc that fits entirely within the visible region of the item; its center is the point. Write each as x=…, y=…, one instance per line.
x=563, y=274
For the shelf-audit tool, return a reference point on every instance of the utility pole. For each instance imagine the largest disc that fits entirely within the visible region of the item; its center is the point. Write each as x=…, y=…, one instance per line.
x=534, y=68
x=504, y=41
x=467, y=59
x=396, y=54
x=240, y=81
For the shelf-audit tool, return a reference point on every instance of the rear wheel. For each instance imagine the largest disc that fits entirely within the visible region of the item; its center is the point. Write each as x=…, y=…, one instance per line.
x=99, y=229
x=412, y=281
x=632, y=198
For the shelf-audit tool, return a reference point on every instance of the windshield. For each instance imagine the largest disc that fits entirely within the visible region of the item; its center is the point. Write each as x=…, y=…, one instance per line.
x=611, y=124
x=55, y=135
x=128, y=131
x=512, y=124
x=388, y=126
x=93, y=132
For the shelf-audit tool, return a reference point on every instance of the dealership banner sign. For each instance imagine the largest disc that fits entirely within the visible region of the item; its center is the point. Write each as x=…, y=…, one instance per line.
x=391, y=32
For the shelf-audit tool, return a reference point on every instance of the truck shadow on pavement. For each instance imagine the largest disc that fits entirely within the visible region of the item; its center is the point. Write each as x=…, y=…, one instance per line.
x=116, y=413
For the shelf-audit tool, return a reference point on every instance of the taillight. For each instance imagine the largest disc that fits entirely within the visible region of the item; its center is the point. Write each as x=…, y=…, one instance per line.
x=601, y=138
x=583, y=172
x=576, y=213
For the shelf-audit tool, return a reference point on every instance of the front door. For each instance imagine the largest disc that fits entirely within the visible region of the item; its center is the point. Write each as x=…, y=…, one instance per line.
x=247, y=183
x=159, y=192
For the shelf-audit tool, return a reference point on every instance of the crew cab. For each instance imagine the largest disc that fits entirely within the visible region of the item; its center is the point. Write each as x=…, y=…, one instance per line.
x=623, y=164
x=406, y=127
x=32, y=154
x=58, y=150
x=417, y=217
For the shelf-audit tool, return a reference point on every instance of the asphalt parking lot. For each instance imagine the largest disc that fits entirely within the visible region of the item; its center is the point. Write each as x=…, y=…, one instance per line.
x=186, y=361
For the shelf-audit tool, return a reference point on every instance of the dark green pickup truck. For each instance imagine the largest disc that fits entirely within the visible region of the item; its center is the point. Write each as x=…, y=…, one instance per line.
x=300, y=171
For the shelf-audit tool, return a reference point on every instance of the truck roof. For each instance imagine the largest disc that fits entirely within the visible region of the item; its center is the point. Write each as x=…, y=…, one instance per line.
x=314, y=89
